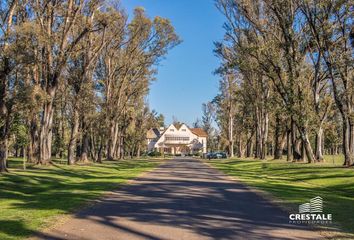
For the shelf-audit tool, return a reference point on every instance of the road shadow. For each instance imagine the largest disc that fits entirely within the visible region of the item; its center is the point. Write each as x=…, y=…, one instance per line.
x=190, y=196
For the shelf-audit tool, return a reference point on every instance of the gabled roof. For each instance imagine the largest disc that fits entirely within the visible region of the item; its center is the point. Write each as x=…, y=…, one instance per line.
x=178, y=125
x=199, y=132
x=153, y=133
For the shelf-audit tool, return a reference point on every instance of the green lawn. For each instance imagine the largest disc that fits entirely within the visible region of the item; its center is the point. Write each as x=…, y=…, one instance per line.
x=296, y=183
x=33, y=199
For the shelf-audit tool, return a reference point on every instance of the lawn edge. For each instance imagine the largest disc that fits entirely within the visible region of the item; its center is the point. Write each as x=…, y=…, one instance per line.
x=285, y=206
x=65, y=217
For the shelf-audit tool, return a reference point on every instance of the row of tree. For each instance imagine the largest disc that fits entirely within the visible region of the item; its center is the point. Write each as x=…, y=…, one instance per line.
x=287, y=78
x=74, y=76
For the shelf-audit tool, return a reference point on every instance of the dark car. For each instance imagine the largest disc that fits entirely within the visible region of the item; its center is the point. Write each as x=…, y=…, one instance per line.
x=210, y=155
x=220, y=155
x=216, y=155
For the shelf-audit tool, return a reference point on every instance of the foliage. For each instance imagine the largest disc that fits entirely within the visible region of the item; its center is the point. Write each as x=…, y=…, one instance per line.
x=154, y=154
x=74, y=76
x=286, y=75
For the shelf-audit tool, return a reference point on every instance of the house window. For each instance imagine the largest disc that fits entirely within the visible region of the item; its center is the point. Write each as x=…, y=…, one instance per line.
x=183, y=130
x=172, y=130
x=170, y=138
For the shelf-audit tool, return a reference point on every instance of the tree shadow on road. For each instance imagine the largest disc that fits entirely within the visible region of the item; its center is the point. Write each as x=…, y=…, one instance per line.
x=193, y=198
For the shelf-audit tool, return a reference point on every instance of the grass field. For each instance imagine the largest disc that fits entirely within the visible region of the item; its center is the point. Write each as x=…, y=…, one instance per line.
x=33, y=199
x=297, y=183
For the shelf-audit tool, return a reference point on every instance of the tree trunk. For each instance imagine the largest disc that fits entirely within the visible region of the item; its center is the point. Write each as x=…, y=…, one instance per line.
x=307, y=145
x=16, y=151
x=289, y=154
x=24, y=158
x=240, y=149
x=279, y=145
x=3, y=156
x=282, y=145
x=258, y=141
x=112, y=141
x=32, y=151
x=231, y=135
x=100, y=151
x=93, y=150
x=122, y=149
x=61, y=133
x=319, y=144
x=294, y=141
x=298, y=150
x=303, y=152
x=249, y=147
x=118, y=148
x=138, y=152
x=5, y=126
x=351, y=141
x=45, y=136
x=347, y=141
x=5, y=103
x=265, y=127
x=85, y=148
x=73, y=138
x=278, y=150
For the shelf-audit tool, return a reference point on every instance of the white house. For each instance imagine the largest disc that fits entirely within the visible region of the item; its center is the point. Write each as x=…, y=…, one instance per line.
x=173, y=140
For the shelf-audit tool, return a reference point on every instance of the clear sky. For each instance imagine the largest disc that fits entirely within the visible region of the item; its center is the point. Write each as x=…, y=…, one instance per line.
x=185, y=79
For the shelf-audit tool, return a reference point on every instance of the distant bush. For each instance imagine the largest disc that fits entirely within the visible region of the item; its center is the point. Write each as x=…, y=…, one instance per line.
x=154, y=154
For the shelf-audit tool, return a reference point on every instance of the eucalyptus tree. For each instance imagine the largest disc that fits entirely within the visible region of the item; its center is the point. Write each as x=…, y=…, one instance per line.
x=330, y=25
x=129, y=68
x=106, y=27
x=274, y=43
x=12, y=15
x=208, y=117
x=59, y=26
x=82, y=66
x=141, y=118
x=226, y=107
x=254, y=85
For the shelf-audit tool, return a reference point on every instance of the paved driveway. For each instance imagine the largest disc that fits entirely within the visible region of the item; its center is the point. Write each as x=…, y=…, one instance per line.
x=182, y=199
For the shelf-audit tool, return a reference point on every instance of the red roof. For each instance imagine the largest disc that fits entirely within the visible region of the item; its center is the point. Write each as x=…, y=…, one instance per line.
x=199, y=132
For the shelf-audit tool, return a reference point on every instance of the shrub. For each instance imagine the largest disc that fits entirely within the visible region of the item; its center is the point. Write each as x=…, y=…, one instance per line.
x=154, y=154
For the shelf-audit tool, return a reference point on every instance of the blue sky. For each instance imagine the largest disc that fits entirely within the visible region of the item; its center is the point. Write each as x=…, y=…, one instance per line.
x=185, y=79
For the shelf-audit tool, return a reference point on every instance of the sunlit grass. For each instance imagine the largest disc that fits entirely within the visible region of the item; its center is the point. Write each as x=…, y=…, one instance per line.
x=31, y=200
x=296, y=183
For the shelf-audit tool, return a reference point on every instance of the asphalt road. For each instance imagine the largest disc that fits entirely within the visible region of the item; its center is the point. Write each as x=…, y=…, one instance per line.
x=182, y=199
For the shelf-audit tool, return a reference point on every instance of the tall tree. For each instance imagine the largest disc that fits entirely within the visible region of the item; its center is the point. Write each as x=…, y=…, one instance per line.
x=291, y=55
x=59, y=28
x=330, y=24
x=208, y=110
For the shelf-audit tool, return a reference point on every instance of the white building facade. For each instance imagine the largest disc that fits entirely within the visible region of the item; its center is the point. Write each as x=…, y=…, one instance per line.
x=173, y=140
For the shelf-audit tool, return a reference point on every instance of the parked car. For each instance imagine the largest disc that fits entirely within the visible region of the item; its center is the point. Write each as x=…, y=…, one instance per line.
x=221, y=155
x=209, y=155
x=216, y=155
